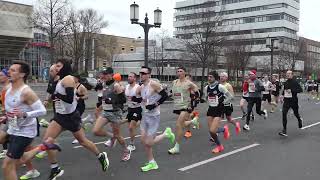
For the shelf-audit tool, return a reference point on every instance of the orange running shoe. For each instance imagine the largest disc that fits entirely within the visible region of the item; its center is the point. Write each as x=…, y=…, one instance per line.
x=188, y=134
x=218, y=149
x=226, y=133
x=238, y=128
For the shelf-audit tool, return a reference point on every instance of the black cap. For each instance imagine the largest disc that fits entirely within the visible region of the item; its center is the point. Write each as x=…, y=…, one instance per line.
x=109, y=70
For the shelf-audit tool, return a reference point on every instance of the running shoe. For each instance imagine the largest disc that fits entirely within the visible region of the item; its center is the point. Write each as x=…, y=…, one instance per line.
x=126, y=155
x=265, y=114
x=226, y=133
x=49, y=146
x=218, y=149
x=149, y=166
x=238, y=128
x=3, y=154
x=188, y=134
x=55, y=172
x=169, y=134
x=104, y=161
x=283, y=133
x=44, y=123
x=75, y=141
x=244, y=116
x=111, y=143
x=131, y=147
x=41, y=155
x=246, y=127
x=30, y=174
x=196, y=122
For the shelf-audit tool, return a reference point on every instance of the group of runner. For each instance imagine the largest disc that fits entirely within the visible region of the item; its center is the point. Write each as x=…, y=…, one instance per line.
x=21, y=109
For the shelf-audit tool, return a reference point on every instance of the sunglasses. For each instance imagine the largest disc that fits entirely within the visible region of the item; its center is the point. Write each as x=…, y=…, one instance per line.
x=143, y=73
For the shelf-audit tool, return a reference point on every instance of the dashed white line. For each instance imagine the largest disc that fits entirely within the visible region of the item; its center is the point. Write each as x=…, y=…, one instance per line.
x=218, y=157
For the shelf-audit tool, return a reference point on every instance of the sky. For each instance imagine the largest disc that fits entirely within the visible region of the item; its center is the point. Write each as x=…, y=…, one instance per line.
x=117, y=14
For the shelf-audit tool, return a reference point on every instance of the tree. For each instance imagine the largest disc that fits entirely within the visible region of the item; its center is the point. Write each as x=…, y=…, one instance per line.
x=50, y=16
x=203, y=37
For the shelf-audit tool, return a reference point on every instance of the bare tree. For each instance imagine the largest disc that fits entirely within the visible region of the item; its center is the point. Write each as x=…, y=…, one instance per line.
x=50, y=16
x=203, y=38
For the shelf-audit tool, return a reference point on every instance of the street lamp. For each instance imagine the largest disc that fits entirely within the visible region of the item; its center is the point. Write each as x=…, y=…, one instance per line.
x=271, y=43
x=134, y=17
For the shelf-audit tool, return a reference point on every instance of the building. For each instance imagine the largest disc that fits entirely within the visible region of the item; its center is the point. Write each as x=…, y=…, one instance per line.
x=245, y=21
x=36, y=53
x=312, y=58
x=15, y=30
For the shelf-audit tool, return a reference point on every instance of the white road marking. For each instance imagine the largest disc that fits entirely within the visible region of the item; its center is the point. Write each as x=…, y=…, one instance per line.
x=311, y=125
x=76, y=147
x=218, y=157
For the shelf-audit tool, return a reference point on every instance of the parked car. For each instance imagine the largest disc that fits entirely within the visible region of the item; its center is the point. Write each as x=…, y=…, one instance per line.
x=92, y=81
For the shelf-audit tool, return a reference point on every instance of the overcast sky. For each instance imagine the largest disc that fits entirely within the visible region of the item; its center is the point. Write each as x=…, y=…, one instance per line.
x=117, y=14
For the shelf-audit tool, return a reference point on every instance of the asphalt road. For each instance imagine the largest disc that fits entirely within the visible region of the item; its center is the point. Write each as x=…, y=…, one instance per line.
x=256, y=155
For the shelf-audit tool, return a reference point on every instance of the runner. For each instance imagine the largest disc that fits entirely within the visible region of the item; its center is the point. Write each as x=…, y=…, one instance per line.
x=266, y=96
x=255, y=89
x=22, y=107
x=152, y=97
x=112, y=102
x=245, y=96
x=309, y=87
x=216, y=94
x=81, y=95
x=181, y=89
x=133, y=94
x=290, y=98
x=316, y=89
x=5, y=83
x=228, y=107
x=275, y=92
x=195, y=99
x=68, y=118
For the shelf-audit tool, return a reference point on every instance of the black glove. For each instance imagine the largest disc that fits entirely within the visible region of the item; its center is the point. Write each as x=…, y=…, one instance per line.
x=221, y=99
x=202, y=101
x=151, y=106
x=99, y=86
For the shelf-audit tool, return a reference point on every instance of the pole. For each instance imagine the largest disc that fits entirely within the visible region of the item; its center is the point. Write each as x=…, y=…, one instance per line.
x=271, y=68
x=146, y=32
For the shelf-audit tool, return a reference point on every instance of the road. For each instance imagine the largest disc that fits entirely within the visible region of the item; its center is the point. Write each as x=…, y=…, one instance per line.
x=256, y=155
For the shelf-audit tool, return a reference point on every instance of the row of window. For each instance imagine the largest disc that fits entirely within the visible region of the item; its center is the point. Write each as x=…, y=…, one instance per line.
x=314, y=48
x=209, y=4
x=228, y=12
x=224, y=2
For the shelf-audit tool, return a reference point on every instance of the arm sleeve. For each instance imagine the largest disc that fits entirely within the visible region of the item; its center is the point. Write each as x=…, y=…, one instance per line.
x=228, y=96
x=37, y=110
x=68, y=98
x=164, y=96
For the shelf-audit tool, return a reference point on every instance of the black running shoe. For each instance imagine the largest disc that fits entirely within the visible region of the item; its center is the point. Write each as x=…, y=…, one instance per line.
x=104, y=161
x=243, y=116
x=300, y=121
x=283, y=133
x=55, y=172
x=252, y=117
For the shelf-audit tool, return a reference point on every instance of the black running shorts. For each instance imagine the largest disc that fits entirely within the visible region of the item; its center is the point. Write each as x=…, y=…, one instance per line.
x=70, y=122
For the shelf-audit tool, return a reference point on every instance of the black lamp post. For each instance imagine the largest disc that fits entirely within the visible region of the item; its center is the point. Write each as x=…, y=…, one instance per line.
x=271, y=44
x=134, y=17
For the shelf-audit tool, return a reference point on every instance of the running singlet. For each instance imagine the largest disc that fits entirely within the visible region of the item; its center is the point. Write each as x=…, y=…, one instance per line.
x=26, y=127
x=130, y=92
x=214, y=94
x=181, y=95
x=245, y=89
x=61, y=106
x=149, y=96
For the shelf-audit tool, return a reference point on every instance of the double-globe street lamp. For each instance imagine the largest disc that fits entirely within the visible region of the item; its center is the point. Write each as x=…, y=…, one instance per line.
x=134, y=17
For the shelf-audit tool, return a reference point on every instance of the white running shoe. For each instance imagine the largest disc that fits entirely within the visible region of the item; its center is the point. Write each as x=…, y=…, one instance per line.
x=43, y=123
x=246, y=127
x=131, y=147
x=30, y=174
x=111, y=143
x=265, y=114
x=75, y=141
x=3, y=154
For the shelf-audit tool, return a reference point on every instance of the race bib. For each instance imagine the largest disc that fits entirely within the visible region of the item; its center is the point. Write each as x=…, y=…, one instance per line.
x=59, y=106
x=245, y=94
x=177, y=98
x=265, y=92
x=107, y=107
x=13, y=123
x=287, y=93
x=252, y=87
x=213, y=101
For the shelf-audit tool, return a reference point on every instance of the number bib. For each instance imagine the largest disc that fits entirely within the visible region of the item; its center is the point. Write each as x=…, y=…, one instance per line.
x=59, y=106
x=252, y=87
x=107, y=107
x=213, y=101
x=13, y=123
x=177, y=98
x=287, y=93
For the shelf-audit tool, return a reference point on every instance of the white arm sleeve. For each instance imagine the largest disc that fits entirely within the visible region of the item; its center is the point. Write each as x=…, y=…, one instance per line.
x=226, y=93
x=37, y=110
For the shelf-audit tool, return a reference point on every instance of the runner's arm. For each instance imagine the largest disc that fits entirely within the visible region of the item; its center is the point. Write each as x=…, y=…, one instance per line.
x=162, y=92
x=227, y=95
x=31, y=99
x=69, y=85
x=84, y=92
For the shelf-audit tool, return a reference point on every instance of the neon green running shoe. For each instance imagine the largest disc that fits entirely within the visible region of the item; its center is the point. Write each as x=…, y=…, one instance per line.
x=170, y=135
x=41, y=155
x=149, y=166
